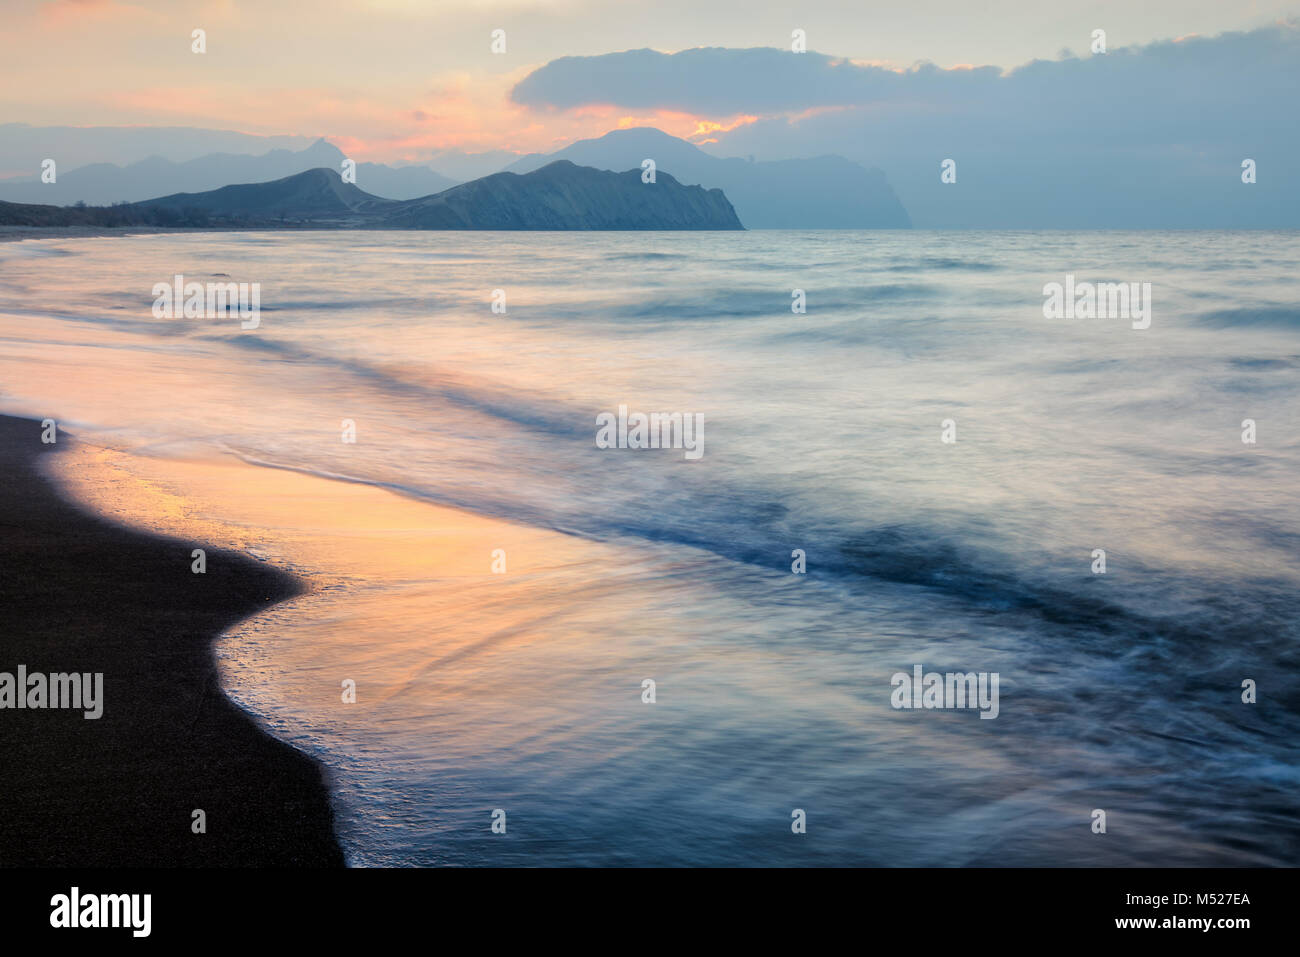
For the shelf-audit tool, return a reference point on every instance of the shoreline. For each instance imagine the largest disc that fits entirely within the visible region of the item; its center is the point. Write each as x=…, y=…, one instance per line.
x=15, y=234
x=380, y=575
x=81, y=594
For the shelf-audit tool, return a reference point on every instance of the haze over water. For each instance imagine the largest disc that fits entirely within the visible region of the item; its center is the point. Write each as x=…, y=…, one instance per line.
x=822, y=433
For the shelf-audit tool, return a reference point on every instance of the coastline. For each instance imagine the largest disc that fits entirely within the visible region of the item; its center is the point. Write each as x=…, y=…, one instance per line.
x=81, y=594
x=381, y=578
x=14, y=234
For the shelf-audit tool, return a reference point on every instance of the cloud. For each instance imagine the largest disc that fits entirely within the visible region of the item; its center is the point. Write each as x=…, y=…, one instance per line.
x=1164, y=80
x=726, y=82
x=1142, y=135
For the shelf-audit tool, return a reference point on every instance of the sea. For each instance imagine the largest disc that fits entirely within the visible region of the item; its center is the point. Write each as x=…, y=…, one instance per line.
x=903, y=461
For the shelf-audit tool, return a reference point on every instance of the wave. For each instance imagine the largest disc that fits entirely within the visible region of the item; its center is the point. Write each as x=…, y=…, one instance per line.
x=756, y=528
x=1281, y=317
x=646, y=257
x=514, y=408
x=661, y=501
x=943, y=263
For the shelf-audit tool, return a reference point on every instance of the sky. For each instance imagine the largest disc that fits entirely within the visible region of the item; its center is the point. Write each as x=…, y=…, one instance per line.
x=396, y=80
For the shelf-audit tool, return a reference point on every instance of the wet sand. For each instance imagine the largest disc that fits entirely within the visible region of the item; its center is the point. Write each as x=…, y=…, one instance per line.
x=81, y=594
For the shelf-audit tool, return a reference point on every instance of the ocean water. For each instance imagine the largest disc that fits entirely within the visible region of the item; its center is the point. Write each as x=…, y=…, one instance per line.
x=823, y=433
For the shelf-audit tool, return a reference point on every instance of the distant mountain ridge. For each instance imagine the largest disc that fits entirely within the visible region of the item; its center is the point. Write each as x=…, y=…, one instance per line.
x=23, y=146
x=824, y=192
x=560, y=195
x=104, y=183
x=464, y=166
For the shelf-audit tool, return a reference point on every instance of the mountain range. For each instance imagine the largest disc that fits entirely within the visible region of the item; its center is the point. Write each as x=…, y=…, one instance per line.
x=560, y=195
x=824, y=192
x=23, y=146
x=103, y=183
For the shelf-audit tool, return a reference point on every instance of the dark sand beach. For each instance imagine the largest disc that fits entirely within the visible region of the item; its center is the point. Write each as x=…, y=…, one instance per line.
x=81, y=594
